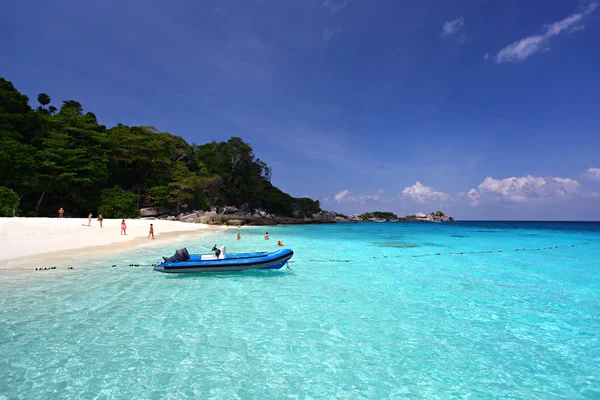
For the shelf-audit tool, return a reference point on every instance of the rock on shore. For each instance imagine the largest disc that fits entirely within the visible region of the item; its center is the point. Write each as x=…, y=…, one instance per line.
x=236, y=217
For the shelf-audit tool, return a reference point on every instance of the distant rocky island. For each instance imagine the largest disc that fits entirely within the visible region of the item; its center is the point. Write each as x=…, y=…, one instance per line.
x=378, y=216
x=234, y=216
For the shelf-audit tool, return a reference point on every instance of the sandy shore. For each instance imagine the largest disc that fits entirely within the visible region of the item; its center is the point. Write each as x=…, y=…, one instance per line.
x=52, y=237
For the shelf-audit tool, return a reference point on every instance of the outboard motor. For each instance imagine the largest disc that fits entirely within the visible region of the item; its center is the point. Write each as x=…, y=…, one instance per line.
x=180, y=255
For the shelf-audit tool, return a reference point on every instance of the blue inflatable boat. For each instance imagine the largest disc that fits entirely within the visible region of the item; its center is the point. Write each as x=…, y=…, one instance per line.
x=220, y=261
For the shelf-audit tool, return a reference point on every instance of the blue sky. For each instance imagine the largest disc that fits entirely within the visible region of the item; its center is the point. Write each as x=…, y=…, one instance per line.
x=484, y=109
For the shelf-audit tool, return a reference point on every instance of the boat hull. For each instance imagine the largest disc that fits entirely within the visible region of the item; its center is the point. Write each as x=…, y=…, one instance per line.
x=232, y=263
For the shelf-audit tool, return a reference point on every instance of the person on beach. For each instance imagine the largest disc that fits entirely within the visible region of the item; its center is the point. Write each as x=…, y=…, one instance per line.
x=90, y=219
x=100, y=219
x=151, y=231
x=60, y=212
x=279, y=243
x=239, y=236
x=123, y=228
x=266, y=235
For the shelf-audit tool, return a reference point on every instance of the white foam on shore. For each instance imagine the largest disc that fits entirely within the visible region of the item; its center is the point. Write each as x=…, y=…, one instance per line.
x=26, y=237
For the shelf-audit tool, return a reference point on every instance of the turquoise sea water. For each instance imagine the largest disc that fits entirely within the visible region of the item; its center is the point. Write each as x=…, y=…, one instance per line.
x=513, y=324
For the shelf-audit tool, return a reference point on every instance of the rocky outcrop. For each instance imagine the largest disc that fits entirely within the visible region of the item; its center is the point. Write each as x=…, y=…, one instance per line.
x=152, y=212
x=233, y=216
x=437, y=216
x=377, y=216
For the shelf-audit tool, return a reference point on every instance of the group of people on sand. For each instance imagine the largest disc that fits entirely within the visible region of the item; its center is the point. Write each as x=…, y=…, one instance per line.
x=124, y=229
x=99, y=219
x=61, y=213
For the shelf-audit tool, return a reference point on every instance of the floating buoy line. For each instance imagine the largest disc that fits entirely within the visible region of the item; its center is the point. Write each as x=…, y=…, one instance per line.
x=451, y=253
x=378, y=258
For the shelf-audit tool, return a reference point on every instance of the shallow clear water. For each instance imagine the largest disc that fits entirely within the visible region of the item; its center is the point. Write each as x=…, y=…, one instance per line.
x=510, y=324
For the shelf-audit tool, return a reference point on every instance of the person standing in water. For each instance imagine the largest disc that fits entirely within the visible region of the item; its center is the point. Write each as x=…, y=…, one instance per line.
x=123, y=228
x=266, y=235
x=151, y=231
x=90, y=219
x=239, y=236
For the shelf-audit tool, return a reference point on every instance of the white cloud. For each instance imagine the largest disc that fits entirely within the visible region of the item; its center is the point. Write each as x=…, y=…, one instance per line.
x=592, y=174
x=331, y=33
x=474, y=197
x=334, y=7
x=338, y=197
x=423, y=194
x=521, y=49
x=525, y=189
x=346, y=197
x=452, y=27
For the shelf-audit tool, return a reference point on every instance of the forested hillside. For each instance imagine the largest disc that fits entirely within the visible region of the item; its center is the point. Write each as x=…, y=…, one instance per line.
x=54, y=157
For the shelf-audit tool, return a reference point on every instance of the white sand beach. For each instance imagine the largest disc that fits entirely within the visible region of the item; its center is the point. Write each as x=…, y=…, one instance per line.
x=27, y=237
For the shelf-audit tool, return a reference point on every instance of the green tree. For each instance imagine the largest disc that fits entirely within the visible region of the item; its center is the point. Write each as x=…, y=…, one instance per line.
x=183, y=187
x=244, y=177
x=19, y=127
x=43, y=99
x=158, y=196
x=118, y=204
x=9, y=202
x=72, y=157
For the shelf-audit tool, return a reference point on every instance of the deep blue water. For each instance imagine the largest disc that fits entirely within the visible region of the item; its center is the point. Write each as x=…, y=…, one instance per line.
x=368, y=310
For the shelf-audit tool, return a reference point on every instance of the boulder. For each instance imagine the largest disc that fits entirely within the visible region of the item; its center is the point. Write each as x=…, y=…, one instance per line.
x=260, y=214
x=210, y=218
x=237, y=216
x=324, y=217
x=152, y=211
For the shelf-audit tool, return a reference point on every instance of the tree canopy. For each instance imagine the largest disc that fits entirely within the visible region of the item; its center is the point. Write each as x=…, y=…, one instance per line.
x=63, y=157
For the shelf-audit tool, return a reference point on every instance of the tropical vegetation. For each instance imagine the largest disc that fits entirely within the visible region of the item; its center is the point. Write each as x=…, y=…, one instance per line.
x=53, y=157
